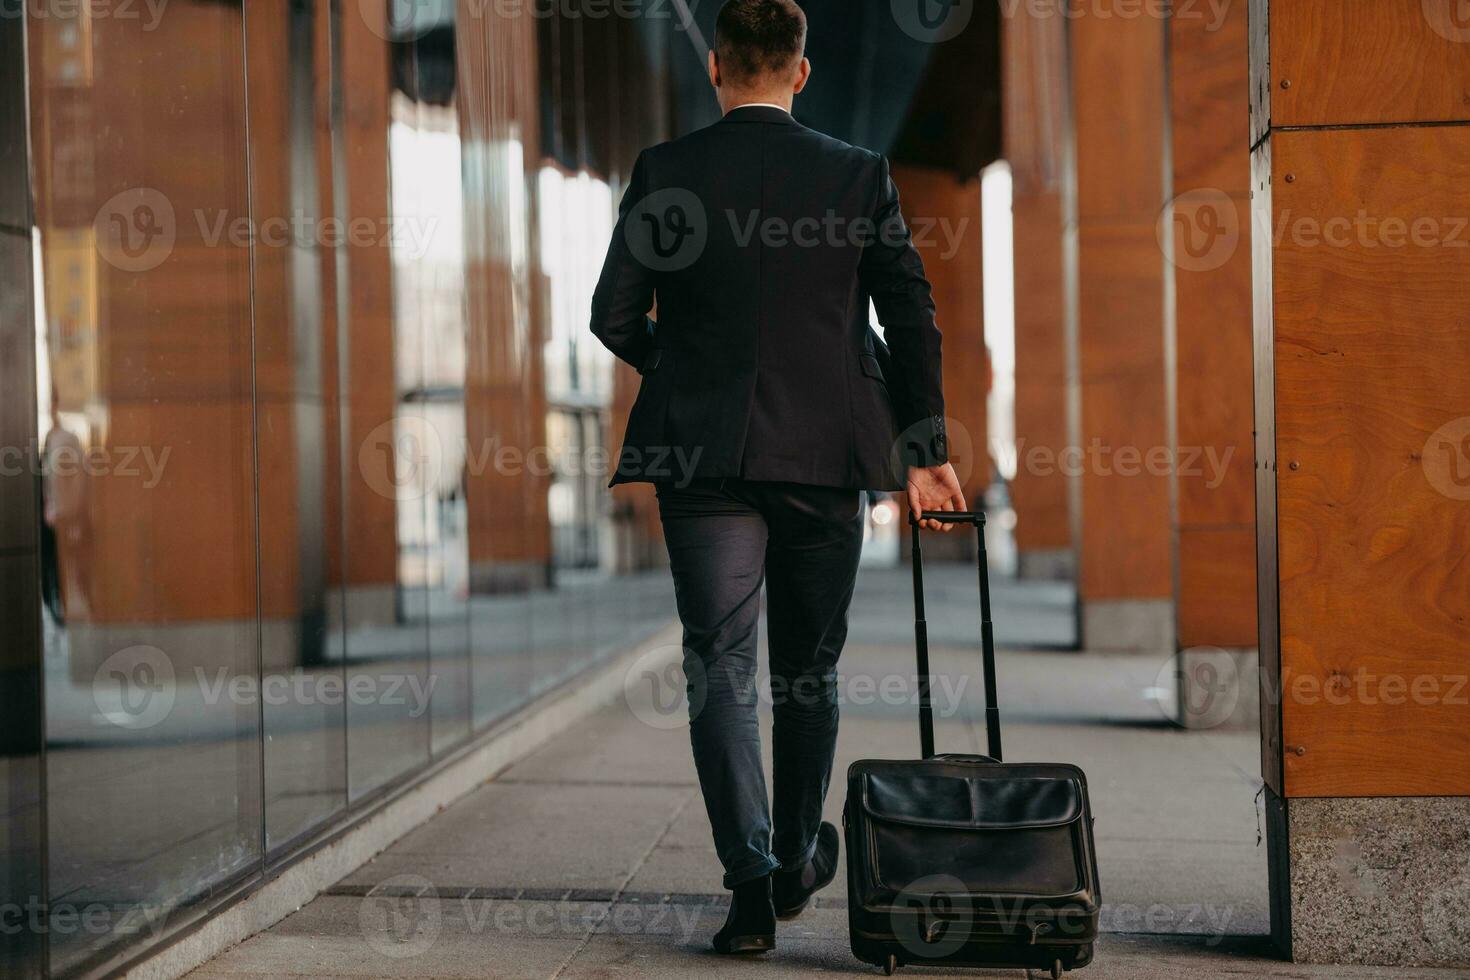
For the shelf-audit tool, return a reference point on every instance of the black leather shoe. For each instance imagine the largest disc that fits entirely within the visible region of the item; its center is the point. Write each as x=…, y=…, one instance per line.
x=792, y=890
x=751, y=924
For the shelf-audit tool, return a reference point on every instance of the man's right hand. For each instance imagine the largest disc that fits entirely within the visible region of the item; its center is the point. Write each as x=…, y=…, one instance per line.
x=934, y=488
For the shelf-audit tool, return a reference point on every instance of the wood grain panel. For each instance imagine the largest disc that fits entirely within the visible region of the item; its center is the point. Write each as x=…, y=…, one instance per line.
x=1341, y=62
x=1217, y=586
x=956, y=271
x=1118, y=104
x=371, y=554
x=1122, y=298
x=1125, y=550
x=1125, y=508
x=1372, y=360
x=1041, y=495
x=1209, y=72
x=1118, y=86
x=1034, y=49
x=1215, y=399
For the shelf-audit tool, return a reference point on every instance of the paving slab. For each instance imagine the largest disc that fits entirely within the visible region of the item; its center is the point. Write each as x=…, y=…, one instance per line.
x=572, y=835
x=592, y=856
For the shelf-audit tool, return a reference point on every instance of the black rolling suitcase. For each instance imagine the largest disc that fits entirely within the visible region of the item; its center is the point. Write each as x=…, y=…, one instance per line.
x=963, y=860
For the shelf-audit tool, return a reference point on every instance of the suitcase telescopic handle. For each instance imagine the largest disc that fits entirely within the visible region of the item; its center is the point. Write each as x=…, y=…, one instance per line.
x=987, y=632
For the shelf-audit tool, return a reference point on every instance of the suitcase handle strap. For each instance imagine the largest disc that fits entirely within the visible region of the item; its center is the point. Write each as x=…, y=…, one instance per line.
x=987, y=634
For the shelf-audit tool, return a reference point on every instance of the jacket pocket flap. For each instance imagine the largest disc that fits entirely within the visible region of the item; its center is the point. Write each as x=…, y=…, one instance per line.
x=997, y=802
x=870, y=366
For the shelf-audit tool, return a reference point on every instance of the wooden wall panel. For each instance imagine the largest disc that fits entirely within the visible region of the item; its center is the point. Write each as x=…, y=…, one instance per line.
x=1126, y=550
x=1041, y=494
x=1372, y=360
x=1034, y=52
x=370, y=556
x=1209, y=68
x=1118, y=86
x=1217, y=579
x=1118, y=106
x=957, y=274
x=157, y=359
x=1343, y=62
x=509, y=537
x=1216, y=485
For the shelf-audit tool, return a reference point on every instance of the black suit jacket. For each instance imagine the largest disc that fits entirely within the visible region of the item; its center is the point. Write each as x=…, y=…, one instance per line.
x=763, y=242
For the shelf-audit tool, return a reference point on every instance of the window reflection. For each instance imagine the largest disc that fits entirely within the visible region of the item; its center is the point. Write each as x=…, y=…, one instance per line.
x=144, y=393
x=325, y=443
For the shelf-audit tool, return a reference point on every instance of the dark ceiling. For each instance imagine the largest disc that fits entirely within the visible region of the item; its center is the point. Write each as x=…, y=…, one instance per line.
x=933, y=104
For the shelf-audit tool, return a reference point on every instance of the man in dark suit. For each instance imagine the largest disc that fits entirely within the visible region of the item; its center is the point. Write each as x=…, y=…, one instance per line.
x=767, y=405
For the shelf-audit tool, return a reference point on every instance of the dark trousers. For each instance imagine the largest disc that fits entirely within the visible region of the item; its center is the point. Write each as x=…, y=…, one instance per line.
x=724, y=537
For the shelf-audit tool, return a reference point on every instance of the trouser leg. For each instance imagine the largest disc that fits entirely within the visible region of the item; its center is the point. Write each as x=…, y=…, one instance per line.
x=717, y=545
x=816, y=536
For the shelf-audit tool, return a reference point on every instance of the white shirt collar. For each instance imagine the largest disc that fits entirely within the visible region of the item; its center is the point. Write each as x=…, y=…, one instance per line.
x=762, y=105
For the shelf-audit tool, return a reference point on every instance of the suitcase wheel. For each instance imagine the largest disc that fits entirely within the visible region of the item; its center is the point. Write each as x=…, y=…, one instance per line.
x=1056, y=970
x=890, y=966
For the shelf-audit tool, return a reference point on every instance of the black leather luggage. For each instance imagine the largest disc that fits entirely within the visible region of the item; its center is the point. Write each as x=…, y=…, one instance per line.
x=963, y=860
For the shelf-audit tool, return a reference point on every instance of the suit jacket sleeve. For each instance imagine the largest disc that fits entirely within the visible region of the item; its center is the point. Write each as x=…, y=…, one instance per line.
x=625, y=291
x=892, y=273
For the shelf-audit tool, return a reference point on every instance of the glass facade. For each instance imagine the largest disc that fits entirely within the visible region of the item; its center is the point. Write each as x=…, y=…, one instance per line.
x=292, y=344
x=305, y=441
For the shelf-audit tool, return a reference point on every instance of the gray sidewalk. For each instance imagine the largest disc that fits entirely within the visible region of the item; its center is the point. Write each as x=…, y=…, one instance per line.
x=592, y=857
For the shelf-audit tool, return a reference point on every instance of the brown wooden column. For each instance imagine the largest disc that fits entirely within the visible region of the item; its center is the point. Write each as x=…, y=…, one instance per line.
x=370, y=552
x=1361, y=183
x=943, y=212
x=1210, y=253
x=1126, y=566
x=509, y=542
x=1034, y=51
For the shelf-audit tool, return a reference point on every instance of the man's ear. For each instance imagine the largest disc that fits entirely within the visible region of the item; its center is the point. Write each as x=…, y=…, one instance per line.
x=803, y=75
x=714, y=68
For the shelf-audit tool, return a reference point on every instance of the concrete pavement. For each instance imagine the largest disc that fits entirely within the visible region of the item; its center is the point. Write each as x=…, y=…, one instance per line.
x=592, y=856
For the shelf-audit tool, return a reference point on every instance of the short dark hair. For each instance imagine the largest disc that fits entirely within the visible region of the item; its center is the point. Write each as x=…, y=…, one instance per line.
x=756, y=38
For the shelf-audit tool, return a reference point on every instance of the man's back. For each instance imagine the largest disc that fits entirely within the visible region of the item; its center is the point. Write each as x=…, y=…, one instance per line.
x=763, y=241
x=765, y=408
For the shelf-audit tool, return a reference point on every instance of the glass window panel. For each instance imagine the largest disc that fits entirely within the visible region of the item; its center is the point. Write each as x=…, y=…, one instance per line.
x=504, y=491
x=27, y=567
x=391, y=439
x=297, y=397
x=153, y=758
